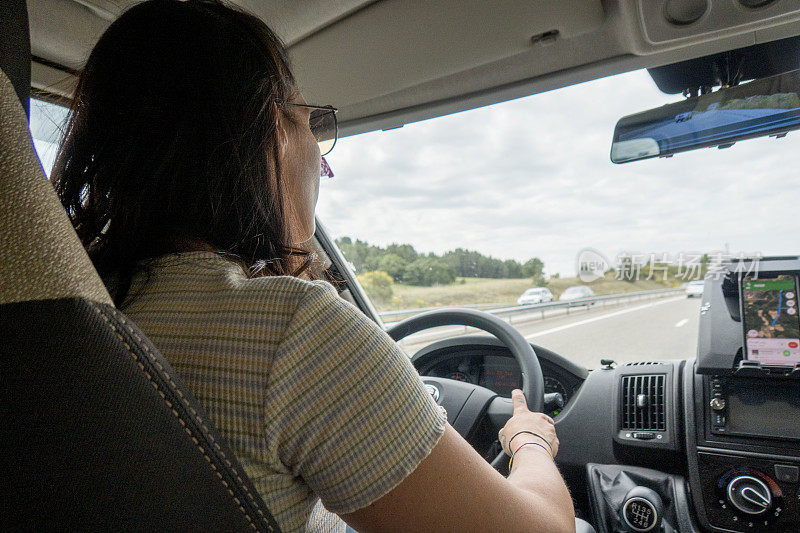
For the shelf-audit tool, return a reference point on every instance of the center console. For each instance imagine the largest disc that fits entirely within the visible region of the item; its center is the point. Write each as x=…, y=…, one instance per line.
x=744, y=467
x=644, y=490
x=743, y=434
x=711, y=444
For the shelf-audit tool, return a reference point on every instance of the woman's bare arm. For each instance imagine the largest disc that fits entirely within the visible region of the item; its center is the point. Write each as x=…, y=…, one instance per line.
x=455, y=489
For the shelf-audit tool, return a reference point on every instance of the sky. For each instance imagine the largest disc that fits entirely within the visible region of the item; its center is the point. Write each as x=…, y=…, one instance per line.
x=532, y=178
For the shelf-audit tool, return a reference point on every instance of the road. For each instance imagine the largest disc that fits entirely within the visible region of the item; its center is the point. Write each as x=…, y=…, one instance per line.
x=640, y=331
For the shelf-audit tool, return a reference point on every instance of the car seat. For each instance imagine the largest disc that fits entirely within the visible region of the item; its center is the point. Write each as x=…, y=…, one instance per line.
x=97, y=430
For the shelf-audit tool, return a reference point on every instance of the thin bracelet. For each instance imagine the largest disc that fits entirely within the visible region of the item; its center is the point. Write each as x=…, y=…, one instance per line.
x=535, y=444
x=532, y=433
x=511, y=461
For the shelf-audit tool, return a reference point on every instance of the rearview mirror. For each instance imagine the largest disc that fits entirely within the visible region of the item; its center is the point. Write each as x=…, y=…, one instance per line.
x=768, y=106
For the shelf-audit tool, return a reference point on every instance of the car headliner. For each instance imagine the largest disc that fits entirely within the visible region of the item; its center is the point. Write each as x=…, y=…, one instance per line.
x=388, y=63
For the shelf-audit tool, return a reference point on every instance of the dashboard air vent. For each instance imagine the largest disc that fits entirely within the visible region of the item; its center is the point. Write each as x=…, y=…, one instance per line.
x=643, y=402
x=640, y=363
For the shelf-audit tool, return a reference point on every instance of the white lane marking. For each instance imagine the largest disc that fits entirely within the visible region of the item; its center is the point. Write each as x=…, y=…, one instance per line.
x=681, y=323
x=603, y=317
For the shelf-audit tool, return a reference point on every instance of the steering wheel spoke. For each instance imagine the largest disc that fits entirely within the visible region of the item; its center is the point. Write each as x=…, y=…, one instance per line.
x=499, y=411
x=464, y=402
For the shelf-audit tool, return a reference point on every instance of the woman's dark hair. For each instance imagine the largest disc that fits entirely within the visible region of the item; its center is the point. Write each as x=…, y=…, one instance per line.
x=172, y=139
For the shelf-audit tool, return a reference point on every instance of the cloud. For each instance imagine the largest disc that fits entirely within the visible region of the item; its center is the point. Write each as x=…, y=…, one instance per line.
x=532, y=177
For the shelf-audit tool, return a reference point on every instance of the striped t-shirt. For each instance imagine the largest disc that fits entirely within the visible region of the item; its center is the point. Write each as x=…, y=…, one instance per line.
x=319, y=404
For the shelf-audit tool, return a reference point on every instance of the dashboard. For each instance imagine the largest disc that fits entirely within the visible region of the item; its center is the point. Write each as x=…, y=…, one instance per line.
x=487, y=363
x=501, y=374
x=705, y=442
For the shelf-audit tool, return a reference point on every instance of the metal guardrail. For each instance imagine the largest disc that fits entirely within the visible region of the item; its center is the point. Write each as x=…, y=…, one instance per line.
x=412, y=312
x=525, y=311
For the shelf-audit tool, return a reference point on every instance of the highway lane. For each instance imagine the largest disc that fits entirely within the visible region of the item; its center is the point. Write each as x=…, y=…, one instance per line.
x=665, y=328
x=662, y=329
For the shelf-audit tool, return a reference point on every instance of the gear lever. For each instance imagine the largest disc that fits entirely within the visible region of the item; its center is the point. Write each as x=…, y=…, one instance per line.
x=641, y=510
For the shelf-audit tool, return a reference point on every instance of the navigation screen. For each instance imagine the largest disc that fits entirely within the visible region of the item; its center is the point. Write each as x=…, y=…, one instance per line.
x=771, y=322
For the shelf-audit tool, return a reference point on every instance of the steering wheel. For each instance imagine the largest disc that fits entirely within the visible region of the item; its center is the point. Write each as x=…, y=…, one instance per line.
x=467, y=403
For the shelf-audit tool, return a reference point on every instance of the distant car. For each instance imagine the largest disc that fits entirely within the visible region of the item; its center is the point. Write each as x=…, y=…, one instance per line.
x=695, y=288
x=536, y=295
x=576, y=293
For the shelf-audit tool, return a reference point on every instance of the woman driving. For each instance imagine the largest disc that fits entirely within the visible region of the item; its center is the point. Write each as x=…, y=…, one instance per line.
x=190, y=169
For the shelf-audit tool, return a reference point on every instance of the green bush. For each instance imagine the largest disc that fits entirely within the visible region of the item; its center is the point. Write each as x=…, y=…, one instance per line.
x=378, y=285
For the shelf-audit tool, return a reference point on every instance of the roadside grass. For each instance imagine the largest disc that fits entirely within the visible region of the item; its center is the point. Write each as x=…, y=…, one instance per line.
x=503, y=292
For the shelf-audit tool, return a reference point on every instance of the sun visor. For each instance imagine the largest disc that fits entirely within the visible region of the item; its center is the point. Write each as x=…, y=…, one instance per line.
x=404, y=46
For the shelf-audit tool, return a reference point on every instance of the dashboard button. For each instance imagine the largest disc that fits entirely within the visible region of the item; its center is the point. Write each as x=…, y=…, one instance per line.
x=718, y=403
x=787, y=473
x=643, y=435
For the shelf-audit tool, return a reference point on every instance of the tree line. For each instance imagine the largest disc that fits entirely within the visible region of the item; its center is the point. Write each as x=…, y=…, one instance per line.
x=405, y=265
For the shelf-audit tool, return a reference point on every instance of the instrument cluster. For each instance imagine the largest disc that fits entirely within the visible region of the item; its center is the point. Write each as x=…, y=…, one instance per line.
x=500, y=373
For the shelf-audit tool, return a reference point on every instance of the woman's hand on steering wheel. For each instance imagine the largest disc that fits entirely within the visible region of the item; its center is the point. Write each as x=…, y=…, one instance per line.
x=467, y=403
x=527, y=426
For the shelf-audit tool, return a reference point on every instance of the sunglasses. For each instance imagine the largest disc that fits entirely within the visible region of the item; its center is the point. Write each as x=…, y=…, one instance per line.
x=322, y=122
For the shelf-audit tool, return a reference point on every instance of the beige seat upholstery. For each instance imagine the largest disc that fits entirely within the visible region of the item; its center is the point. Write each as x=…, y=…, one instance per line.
x=41, y=256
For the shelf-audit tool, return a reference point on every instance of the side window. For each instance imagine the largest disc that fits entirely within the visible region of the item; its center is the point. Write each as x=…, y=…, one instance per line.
x=47, y=127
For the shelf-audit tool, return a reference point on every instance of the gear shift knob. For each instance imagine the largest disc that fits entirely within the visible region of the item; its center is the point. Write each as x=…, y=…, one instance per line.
x=641, y=510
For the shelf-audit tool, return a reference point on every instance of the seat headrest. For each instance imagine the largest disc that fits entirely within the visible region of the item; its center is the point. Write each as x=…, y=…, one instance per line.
x=41, y=256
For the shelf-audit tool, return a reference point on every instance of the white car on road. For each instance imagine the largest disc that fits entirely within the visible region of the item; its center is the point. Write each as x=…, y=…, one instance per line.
x=695, y=288
x=536, y=295
x=576, y=293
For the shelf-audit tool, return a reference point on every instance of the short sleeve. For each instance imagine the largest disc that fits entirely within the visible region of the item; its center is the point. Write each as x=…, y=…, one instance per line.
x=347, y=410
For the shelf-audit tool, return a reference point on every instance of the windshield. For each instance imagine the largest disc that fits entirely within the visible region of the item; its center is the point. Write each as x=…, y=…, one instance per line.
x=479, y=208
x=47, y=126
x=475, y=208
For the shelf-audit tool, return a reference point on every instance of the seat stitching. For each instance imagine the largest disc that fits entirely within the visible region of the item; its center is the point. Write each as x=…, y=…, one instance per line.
x=191, y=409
x=135, y=357
x=169, y=404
